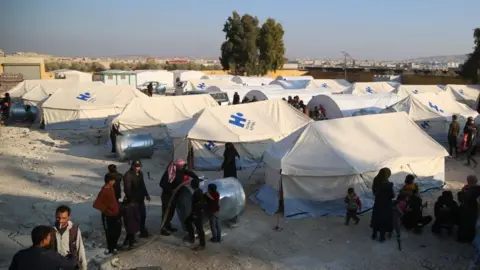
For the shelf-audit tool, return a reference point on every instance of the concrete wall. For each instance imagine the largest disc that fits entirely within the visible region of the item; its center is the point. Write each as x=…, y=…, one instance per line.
x=26, y=60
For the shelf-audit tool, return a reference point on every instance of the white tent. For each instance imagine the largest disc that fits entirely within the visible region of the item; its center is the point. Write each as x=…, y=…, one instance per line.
x=433, y=112
x=294, y=84
x=467, y=94
x=41, y=92
x=242, y=90
x=315, y=165
x=160, y=115
x=73, y=75
x=28, y=85
x=252, y=81
x=161, y=76
x=186, y=75
x=202, y=84
x=295, y=78
x=250, y=127
x=407, y=90
x=270, y=94
x=362, y=88
x=337, y=86
x=225, y=77
x=338, y=106
x=86, y=107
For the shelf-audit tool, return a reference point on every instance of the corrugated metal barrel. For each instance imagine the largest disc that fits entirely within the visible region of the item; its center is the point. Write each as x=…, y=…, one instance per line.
x=232, y=198
x=134, y=146
x=18, y=113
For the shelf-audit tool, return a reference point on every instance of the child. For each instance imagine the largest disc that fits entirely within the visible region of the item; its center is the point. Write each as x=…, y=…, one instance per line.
x=213, y=206
x=353, y=204
x=399, y=210
x=107, y=203
x=409, y=187
x=196, y=216
x=446, y=212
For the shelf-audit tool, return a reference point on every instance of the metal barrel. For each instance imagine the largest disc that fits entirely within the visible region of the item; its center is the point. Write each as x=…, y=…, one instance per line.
x=18, y=112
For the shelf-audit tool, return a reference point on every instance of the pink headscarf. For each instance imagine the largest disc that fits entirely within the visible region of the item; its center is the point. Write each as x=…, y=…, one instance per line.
x=172, y=168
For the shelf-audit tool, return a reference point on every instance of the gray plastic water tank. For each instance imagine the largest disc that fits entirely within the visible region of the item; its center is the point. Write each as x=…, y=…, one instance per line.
x=18, y=113
x=134, y=146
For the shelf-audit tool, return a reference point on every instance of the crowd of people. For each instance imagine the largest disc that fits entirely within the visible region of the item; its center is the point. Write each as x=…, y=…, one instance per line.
x=468, y=139
x=61, y=246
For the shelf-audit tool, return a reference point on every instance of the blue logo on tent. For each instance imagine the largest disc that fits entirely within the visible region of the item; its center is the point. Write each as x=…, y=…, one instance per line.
x=85, y=96
x=324, y=85
x=210, y=145
x=202, y=86
x=415, y=91
x=461, y=92
x=237, y=120
x=424, y=124
x=369, y=90
x=433, y=106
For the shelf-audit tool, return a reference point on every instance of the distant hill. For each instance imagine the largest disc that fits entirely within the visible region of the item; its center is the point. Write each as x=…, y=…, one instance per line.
x=441, y=58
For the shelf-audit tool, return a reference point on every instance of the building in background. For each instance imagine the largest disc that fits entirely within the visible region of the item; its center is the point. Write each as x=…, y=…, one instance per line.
x=31, y=68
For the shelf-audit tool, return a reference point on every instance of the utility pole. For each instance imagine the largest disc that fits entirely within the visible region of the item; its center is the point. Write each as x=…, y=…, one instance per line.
x=345, y=63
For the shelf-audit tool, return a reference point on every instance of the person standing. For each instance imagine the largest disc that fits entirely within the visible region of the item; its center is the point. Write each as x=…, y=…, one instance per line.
x=39, y=256
x=382, y=214
x=236, y=99
x=67, y=238
x=136, y=192
x=196, y=217
x=468, y=210
x=171, y=184
x=114, y=132
x=150, y=90
x=107, y=204
x=114, y=174
x=471, y=143
x=353, y=204
x=213, y=205
x=229, y=165
x=453, y=131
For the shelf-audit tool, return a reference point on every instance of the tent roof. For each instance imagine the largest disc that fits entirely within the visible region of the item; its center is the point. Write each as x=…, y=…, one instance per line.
x=407, y=90
x=40, y=92
x=338, y=106
x=432, y=105
x=294, y=78
x=28, y=85
x=361, y=88
x=98, y=96
x=172, y=111
x=333, y=86
x=338, y=147
x=252, y=81
x=465, y=93
x=203, y=84
x=262, y=120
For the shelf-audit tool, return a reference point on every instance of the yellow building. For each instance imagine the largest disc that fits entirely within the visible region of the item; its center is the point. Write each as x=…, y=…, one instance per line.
x=32, y=68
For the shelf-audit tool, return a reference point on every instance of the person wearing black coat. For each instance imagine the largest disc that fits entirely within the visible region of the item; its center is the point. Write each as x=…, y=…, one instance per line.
x=229, y=165
x=382, y=214
x=136, y=191
x=39, y=256
x=446, y=213
x=114, y=132
x=172, y=179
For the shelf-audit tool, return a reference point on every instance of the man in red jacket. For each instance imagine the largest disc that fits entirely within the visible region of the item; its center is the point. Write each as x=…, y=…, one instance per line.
x=107, y=203
x=213, y=206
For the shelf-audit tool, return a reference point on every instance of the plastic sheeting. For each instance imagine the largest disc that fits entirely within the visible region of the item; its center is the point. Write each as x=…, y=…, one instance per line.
x=134, y=146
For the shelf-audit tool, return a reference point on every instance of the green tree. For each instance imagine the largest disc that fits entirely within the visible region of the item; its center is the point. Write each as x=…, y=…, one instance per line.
x=271, y=47
x=50, y=66
x=64, y=65
x=118, y=65
x=471, y=68
x=249, y=49
x=95, y=67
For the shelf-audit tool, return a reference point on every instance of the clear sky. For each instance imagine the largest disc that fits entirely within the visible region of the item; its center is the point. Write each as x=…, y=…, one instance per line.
x=366, y=29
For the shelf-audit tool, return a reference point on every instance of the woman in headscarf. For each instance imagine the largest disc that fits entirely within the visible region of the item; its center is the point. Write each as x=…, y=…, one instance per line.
x=382, y=214
x=172, y=189
x=229, y=165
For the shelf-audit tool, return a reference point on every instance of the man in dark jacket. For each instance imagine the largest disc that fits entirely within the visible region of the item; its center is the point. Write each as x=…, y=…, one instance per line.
x=136, y=191
x=171, y=183
x=39, y=256
x=114, y=174
x=114, y=132
x=150, y=90
x=471, y=143
x=453, y=132
x=196, y=217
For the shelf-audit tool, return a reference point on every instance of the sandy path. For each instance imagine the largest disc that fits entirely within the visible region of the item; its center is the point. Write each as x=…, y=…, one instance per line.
x=41, y=170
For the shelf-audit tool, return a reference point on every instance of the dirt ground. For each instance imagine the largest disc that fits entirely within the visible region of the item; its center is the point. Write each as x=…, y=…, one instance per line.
x=40, y=170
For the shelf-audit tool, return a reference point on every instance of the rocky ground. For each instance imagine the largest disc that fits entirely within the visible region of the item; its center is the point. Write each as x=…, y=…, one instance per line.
x=40, y=170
